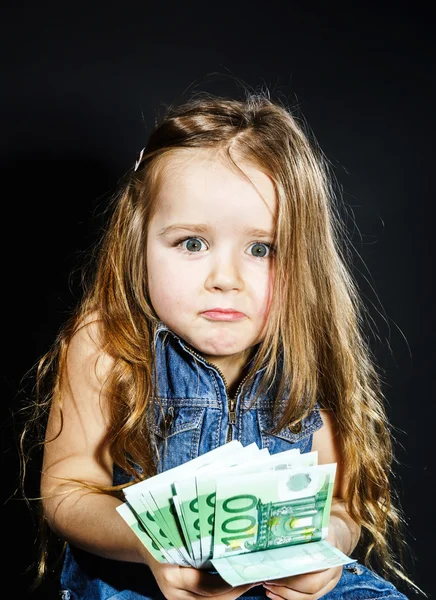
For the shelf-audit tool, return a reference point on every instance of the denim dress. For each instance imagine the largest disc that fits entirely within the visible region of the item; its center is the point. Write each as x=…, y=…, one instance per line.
x=192, y=416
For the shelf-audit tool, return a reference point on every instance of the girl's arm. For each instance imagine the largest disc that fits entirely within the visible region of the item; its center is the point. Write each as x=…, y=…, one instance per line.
x=344, y=532
x=86, y=519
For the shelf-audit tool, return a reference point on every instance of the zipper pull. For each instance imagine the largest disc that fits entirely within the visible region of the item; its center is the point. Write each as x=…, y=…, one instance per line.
x=232, y=418
x=232, y=412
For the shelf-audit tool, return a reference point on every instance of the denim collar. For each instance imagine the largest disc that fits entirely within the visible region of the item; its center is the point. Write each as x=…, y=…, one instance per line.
x=161, y=329
x=190, y=353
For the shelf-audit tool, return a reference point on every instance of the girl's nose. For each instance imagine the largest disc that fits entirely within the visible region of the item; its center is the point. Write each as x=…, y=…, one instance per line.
x=224, y=275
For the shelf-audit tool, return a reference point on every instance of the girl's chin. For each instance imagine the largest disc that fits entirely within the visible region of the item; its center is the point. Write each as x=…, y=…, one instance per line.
x=219, y=349
x=220, y=342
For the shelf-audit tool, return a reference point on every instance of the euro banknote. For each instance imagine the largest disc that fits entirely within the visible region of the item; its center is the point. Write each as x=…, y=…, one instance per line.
x=288, y=507
x=238, y=501
x=280, y=562
x=164, y=525
x=188, y=499
x=206, y=488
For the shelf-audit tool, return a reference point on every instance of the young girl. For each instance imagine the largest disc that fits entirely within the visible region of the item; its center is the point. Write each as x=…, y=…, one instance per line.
x=221, y=307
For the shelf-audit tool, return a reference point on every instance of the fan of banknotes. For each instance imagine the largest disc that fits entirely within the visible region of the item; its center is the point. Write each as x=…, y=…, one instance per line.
x=239, y=511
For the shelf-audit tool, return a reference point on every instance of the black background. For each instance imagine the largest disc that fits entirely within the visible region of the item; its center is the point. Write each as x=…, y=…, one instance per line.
x=81, y=84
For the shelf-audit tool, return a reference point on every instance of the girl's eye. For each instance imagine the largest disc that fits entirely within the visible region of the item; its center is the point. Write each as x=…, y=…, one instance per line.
x=192, y=244
x=260, y=250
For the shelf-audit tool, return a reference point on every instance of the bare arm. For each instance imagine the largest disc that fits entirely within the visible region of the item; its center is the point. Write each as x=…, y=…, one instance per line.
x=344, y=532
x=86, y=519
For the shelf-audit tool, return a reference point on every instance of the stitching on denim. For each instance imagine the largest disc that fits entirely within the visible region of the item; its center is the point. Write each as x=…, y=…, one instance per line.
x=195, y=402
x=239, y=416
x=214, y=377
x=305, y=444
x=264, y=437
x=195, y=444
x=218, y=429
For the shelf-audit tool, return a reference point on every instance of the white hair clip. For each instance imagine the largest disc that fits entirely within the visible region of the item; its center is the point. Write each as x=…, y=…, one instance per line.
x=138, y=162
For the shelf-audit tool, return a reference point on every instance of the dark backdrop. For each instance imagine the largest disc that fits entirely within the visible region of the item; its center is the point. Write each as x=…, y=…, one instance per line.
x=81, y=83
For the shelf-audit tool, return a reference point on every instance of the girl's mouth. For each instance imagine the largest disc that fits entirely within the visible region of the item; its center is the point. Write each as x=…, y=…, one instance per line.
x=223, y=314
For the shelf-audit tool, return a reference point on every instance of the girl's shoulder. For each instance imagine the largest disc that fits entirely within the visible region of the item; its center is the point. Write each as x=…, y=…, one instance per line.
x=87, y=327
x=87, y=346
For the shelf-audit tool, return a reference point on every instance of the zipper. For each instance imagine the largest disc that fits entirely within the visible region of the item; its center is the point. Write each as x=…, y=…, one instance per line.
x=232, y=418
x=232, y=409
x=230, y=401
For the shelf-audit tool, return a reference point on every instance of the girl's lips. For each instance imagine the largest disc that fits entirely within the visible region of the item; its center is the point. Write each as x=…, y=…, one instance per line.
x=217, y=314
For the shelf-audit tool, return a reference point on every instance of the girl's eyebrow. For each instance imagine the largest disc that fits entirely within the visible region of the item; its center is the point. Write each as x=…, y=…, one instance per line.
x=184, y=227
x=200, y=228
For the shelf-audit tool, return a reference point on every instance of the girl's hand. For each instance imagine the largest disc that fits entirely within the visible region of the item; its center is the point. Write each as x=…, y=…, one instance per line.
x=309, y=586
x=187, y=583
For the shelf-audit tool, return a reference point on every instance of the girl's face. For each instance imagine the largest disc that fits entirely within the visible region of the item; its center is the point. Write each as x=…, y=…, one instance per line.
x=209, y=256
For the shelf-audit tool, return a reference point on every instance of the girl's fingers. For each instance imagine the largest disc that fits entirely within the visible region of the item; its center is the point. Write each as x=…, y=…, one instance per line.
x=235, y=592
x=274, y=596
x=204, y=584
x=231, y=594
x=303, y=587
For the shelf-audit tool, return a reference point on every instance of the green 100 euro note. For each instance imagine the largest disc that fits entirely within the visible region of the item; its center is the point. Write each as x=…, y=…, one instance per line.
x=151, y=503
x=206, y=486
x=236, y=508
x=281, y=508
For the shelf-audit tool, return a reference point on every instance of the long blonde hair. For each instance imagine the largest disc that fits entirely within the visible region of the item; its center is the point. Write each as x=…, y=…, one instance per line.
x=317, y=320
